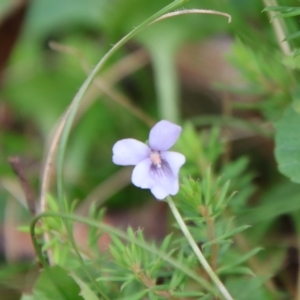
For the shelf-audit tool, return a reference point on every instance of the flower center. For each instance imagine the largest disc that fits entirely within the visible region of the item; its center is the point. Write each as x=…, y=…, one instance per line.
x=155, y=158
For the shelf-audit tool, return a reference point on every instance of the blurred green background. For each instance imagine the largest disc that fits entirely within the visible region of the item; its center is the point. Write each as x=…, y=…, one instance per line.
x=217, y=73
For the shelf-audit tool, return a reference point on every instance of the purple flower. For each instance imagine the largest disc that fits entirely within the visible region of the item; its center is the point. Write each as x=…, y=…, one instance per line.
x=155, y=167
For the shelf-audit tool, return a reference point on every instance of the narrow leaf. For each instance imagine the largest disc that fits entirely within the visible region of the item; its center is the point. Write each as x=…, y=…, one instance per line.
x=187, y=294
x=292, y=36
x=226, y=235
x=279, y=8
x=85, y=292
x=136, y=296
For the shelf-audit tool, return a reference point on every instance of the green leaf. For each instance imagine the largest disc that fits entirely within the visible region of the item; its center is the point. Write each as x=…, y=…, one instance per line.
x=51, y=243
x=237, y=271
x=187, y=294
x=226, y=235
x=232, y=262
x=281, y=199
x=55, y=283
x=287, y=144
x=292, y=36
x=246, y=256
x=166, y=243
x=222, y=196
x=86, y=292
x=129, y=281
x=106, y=278
x=177, y=278
x=243, y=288
x=294, y=13
x=117, y=243
x=152, y=296
x=52, y=203
x=297, y=52
x=282, y=9
x=136, y=296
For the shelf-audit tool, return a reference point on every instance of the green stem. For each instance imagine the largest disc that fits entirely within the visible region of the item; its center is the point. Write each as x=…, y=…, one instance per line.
x=197, y=252
x=166, y=83
x=206, y=285
x=279, y=28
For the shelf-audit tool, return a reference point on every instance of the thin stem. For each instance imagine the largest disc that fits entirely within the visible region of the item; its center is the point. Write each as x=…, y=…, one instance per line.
x=151, y=249
x=197, y=251
x=166, y=82
x=278, y=25
x=163, y=57
x=214, y=246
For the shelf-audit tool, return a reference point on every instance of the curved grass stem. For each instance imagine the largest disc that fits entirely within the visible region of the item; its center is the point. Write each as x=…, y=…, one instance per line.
x=83, y=89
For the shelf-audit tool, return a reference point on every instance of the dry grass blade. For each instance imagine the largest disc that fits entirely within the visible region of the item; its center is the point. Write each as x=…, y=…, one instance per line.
x=126, y=67
x=192, y=11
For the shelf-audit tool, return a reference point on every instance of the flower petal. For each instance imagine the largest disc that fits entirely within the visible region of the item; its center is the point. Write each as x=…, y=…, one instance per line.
x=129, y=152
x=141, y=175
x=166, y=179
x=161, y=181
x=159, y=192
x=166, y=183
x=174, y=159
x=164, y=135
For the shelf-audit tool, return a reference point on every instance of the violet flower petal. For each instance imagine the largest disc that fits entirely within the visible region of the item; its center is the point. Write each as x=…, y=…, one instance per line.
x=166, y=178
x=129, y=152
x=163, y=135
x=165, y=184
x=174, y=159
x=141, y=176
x=159, y=192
